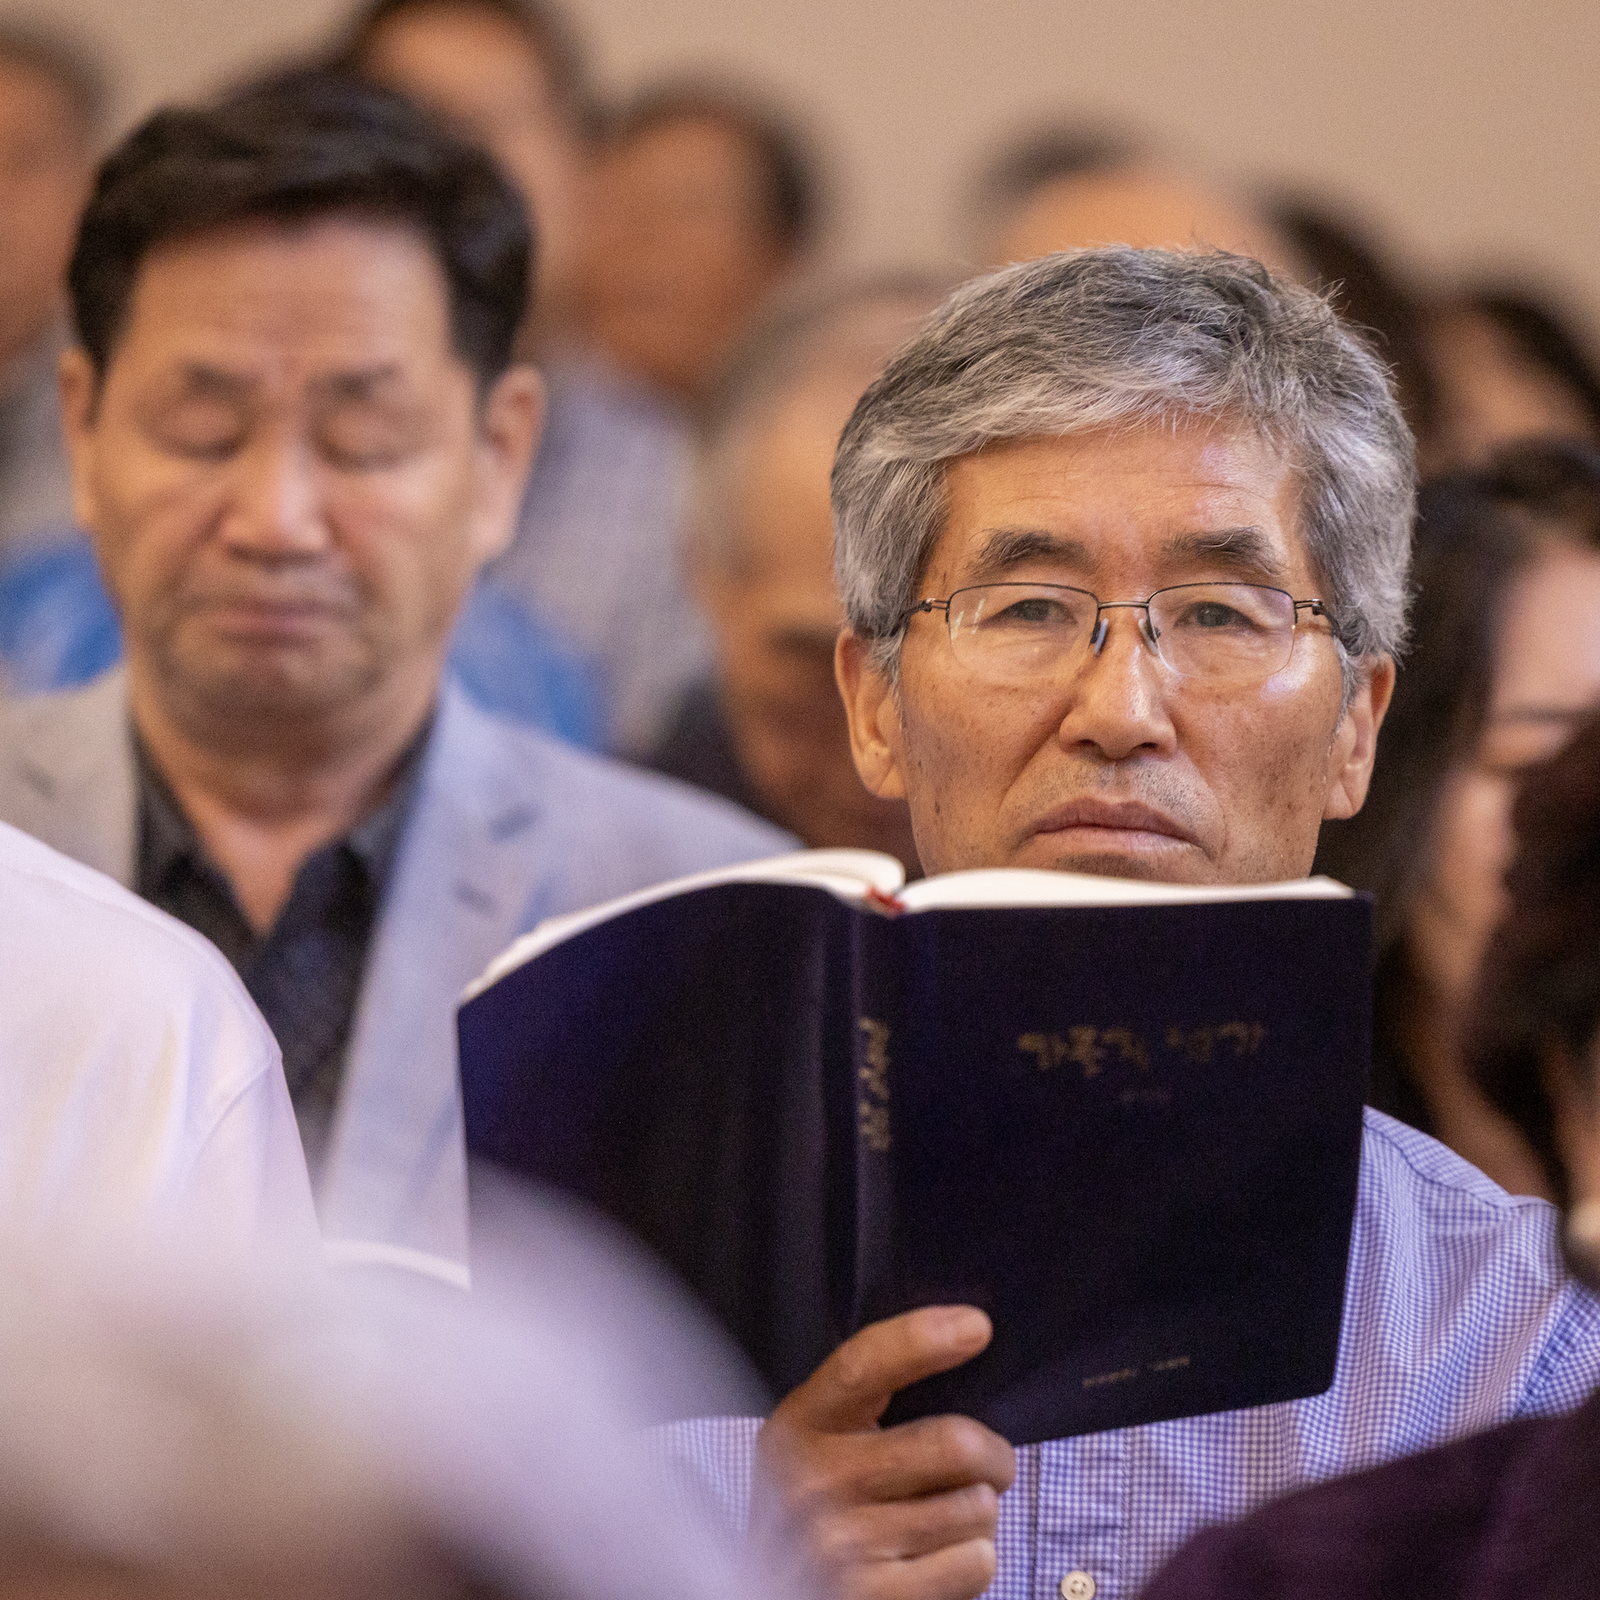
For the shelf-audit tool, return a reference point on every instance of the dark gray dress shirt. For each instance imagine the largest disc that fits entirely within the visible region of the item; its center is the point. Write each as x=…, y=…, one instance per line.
x=305, y=972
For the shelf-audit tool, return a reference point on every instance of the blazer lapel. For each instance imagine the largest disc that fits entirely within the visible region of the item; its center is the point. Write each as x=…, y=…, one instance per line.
x=394, y=1184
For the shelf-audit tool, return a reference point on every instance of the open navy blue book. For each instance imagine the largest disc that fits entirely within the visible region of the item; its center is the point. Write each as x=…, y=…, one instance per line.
x=1123, y=1118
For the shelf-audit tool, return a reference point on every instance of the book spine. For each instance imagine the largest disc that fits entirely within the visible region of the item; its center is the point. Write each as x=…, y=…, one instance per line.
x=877, y=1040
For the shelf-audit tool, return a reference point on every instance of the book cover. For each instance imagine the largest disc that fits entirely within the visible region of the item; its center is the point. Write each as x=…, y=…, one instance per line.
x=1130, y=1132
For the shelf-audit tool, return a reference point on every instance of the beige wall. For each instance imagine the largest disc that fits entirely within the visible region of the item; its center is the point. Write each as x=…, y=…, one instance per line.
x=1470, y=130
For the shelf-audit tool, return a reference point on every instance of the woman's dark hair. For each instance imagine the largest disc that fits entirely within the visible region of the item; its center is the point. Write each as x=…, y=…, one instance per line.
x=297, y=149
x=792, y=192
x=1539, y=986
x=1476, y=532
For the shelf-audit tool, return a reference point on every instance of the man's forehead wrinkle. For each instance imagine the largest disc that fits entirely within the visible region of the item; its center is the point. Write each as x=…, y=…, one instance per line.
x=1244, y=548
x=209, y=381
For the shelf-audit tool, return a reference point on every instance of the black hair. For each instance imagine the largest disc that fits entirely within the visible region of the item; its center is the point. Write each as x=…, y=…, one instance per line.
x=1555, y=481
x=1476, y=532
x=64, y=62
x=548, y=35
x=301, y=147
x=1539, y=985
x=788, y=175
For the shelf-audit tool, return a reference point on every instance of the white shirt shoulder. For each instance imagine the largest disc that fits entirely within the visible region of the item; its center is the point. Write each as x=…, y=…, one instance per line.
x=138, y=1082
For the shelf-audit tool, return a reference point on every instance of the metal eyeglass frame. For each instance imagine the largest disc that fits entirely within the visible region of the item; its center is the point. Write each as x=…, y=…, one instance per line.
x=1097, y=637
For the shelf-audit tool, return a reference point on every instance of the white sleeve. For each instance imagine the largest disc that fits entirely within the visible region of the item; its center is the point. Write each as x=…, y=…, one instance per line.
x=248, y=1178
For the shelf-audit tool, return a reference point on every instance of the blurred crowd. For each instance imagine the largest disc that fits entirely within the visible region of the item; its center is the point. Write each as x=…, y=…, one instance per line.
x=677, y=236
x=662, y=595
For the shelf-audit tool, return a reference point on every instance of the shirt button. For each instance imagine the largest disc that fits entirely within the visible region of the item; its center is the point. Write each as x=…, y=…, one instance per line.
x=1077, y=1586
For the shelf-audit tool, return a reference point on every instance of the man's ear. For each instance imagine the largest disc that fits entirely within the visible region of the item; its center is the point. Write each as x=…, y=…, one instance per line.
x=876, y=742
x=1355, y=740
x=510, y=420
x=79, y=386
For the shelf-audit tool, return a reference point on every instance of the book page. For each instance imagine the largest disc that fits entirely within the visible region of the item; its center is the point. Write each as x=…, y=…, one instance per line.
x=996, y=887
x=850, y=874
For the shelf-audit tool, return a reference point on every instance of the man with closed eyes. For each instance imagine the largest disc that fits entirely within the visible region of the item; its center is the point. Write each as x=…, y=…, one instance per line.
x=297, y=431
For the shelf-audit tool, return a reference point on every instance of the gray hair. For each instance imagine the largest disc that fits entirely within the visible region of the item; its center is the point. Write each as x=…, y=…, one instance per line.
x=1117, y=336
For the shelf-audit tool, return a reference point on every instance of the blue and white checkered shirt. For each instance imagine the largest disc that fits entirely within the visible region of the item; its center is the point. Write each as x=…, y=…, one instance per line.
x=1458, y=1315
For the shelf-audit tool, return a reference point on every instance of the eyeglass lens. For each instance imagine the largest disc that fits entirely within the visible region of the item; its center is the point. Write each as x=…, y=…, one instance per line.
x=1222, y=632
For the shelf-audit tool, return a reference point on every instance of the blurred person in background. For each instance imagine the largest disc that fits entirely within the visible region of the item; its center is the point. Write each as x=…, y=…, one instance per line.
x=1069, y=188
x=1510, y=365
x=1032, y=160
x=297, y=429
x=1504, y=665
x=189, y=1428
x=508, y=76
x=52, y=108
x=706, y=204
x=768, y=730
x=1509, y=1512
x=597, y=554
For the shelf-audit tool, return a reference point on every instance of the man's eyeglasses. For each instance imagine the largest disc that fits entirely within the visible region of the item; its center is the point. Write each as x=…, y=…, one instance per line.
x=1223, y=633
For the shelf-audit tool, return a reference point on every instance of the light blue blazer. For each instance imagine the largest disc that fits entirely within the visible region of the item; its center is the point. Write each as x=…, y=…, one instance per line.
x=508, y=827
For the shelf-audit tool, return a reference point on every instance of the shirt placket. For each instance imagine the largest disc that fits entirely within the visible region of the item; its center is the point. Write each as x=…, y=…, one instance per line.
x=1082, y=1499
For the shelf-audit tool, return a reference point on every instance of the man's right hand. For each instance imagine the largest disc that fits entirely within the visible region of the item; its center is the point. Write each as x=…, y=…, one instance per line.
x=902, y=1513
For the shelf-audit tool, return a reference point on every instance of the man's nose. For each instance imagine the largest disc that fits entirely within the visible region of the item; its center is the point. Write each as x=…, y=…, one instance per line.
x=275, y=507
x=1115, y=705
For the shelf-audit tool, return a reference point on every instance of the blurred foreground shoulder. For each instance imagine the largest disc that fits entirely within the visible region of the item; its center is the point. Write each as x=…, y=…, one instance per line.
x=137, y=1078
x=1501, y=1513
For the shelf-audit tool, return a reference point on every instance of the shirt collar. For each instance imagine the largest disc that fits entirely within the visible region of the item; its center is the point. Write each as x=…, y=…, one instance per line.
x=167, y=837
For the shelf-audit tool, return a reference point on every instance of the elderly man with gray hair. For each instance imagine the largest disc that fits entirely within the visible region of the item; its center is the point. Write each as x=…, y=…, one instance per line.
x=1122, y=540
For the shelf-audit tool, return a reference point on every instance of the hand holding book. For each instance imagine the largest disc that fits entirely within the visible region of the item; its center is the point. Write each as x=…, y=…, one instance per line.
x=910, y=1509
